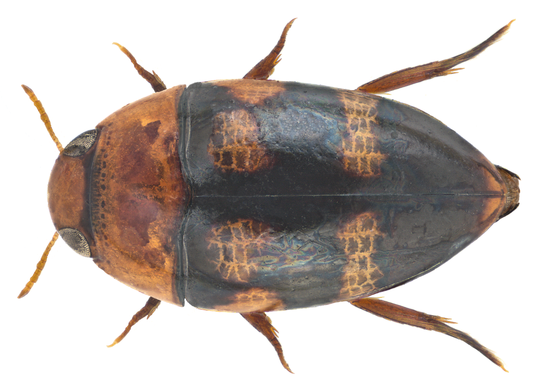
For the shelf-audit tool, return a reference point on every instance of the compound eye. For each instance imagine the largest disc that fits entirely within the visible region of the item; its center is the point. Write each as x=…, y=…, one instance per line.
x=81, y=144
x=76, y=240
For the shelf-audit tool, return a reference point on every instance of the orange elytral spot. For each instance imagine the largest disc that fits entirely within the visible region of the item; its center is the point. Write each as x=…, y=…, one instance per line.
x=493, y=206
x=237, y=243
x=360, y=151
x=251, y=92
x=254, y=299
x=360, y=273
x=234, y=143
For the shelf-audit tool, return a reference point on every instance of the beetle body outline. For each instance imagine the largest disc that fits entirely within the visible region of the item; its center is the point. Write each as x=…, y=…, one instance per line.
x=264, y=138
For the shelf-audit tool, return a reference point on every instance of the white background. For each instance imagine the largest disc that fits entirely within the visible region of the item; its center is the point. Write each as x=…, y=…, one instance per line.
x=56, y=337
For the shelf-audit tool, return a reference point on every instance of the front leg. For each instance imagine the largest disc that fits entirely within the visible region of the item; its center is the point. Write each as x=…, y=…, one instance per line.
x=146, y=311
x=151, y=77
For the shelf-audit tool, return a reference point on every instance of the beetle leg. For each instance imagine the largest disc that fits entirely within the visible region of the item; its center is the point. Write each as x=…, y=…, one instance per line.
x=151, y=78
x=418, y=319
x=263, y=324
x=264, y=69
x=409, y=76
x=149, y=308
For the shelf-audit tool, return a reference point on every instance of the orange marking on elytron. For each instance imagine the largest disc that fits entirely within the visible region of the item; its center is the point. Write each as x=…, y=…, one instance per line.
x=358, y=237
x=251, y=91
x=234, y=143
x=238, y=243
x=254, y=299
x=493, y=206
x=491, y=210
x=360, y=149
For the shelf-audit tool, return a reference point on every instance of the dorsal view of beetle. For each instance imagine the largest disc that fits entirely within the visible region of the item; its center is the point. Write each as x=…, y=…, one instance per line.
x=254, y=195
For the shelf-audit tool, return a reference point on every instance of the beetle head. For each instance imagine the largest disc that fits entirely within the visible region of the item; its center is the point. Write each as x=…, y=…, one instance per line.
x=69, y=193
x=512, y=195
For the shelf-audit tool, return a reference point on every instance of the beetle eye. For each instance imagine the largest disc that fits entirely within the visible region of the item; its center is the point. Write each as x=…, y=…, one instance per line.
x=81, y=144
x=76, y=240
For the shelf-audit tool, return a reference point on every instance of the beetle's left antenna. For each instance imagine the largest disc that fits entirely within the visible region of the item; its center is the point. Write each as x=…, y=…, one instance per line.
x=43, y=116
x=39, y=267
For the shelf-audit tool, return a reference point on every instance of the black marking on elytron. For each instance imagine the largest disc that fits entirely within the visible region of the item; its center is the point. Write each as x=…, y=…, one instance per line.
x=487, y=194
x=425, y=216
x=300, y=129
x=302, y=256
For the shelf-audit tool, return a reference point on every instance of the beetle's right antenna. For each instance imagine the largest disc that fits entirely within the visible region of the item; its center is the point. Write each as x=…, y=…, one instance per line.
x=43, y=116
x=39, y=267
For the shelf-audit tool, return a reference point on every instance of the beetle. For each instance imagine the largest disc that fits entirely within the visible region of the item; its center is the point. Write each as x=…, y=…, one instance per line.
x=254, y=195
